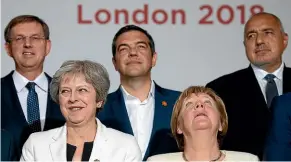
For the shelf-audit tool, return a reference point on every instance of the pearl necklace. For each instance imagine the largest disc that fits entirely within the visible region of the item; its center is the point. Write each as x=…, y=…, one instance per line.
x=220, y=154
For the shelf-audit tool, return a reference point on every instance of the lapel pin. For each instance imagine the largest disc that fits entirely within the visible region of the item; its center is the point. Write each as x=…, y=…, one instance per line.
x=164, y=103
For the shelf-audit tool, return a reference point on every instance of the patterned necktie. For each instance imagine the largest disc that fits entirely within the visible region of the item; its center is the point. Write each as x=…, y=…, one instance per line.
x=271, y=88
x=33, y=116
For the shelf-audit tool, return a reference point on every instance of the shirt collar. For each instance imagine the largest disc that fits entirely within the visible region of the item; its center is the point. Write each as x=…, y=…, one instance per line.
x=20, y=81
x=260, y=73
x=126, y=95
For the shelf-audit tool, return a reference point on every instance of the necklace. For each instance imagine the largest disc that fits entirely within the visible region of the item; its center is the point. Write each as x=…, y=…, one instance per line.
x=220, y=154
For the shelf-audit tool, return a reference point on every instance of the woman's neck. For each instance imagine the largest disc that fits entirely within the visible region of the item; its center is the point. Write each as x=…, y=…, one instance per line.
x=204, y=147
x=79, y=135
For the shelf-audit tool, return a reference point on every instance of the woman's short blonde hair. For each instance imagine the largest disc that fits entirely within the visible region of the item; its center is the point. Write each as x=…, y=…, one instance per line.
x=178, y=107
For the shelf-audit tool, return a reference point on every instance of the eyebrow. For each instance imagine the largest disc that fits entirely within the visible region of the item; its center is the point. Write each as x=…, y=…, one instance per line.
x=255, y=31
x=123, y=44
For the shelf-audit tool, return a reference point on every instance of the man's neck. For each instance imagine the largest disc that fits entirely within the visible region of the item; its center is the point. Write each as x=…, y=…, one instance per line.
x=270, y=68
x=29, y=74
x=138, y=87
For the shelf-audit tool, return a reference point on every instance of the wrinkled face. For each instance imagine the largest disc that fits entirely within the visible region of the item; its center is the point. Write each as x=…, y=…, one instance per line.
x=199, y=112
x=28, y=47
x=133, y=55
x=264, y=41
x=77, y=100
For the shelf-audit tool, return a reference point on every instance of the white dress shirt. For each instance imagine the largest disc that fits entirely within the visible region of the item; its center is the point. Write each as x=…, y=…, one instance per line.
x=41, y=89
x=260, y=74
x=141, y=116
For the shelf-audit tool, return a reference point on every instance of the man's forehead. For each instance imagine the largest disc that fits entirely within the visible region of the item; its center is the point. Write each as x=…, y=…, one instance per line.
x=132, y=36
x=261, y=22
x=31, y=27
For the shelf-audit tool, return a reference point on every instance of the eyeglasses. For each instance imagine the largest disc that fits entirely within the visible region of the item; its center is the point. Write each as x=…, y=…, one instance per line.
x=35, y=39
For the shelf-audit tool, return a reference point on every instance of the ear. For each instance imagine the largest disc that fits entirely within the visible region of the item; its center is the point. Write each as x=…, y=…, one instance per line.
x=99, y=104
x=48, y=47
x=244, y=42
x=179, y=131
x=220, y=127
x=8, y=49
x=154, y=59
x=285, y=40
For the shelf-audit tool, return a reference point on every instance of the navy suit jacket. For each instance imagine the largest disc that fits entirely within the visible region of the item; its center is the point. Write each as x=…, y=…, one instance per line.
x=278, y=144
x=7, y=146
x=12, y=116
x=248, y=114
x=114, y=115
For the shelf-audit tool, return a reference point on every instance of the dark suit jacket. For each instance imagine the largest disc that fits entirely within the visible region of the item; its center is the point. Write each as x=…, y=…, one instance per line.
x=278, y=144
x=114, y=115
x=12, y=116
x=7, y=146
x=248, y=114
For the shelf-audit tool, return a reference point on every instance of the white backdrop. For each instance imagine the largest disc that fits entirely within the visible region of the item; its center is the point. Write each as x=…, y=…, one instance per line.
x=189, y=52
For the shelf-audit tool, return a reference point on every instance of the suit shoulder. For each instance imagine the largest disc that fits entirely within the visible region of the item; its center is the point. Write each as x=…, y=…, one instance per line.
x=6, y=78
x=280, y=103
x=43, y=135
x=175, y=156
x=237, y=75
x=112, y=95
x=241, y=156
x=285, y=97
x=166, y=91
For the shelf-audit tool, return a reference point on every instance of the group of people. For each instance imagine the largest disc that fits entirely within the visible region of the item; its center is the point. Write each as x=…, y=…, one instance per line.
x=242, y=116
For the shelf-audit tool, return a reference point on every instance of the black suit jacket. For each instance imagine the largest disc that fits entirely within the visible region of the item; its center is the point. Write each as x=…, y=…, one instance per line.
x=12, y=116
x=7, y=146
x=248, y=114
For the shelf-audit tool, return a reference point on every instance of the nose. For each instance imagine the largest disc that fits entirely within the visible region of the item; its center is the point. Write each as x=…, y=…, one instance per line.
x=73, y=97
x=259, y=39
x=199, y=105
x=133, y=52
x=27, y=42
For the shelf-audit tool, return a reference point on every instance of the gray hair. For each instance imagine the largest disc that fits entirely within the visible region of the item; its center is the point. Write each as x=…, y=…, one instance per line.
x=94, y=73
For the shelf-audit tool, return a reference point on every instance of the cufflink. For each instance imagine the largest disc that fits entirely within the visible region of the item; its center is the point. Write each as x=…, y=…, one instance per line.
x=164, y=103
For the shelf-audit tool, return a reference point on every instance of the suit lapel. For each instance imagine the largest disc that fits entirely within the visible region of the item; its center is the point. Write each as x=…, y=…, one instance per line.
x=159, y=109
x=48, y=105
x=58, y=148
x=120, y=113
x=12, y=99
x=254, y=87
x=98, y=152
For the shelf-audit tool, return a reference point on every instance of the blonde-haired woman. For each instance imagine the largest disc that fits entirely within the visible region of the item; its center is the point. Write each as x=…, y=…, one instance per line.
x=199, y=122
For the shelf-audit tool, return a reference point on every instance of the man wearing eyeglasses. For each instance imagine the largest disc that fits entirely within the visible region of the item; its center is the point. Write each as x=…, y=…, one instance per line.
x=26, y=106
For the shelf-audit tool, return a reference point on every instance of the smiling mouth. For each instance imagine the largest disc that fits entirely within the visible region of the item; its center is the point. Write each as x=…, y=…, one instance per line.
x=74, y=109
x=28, y=53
